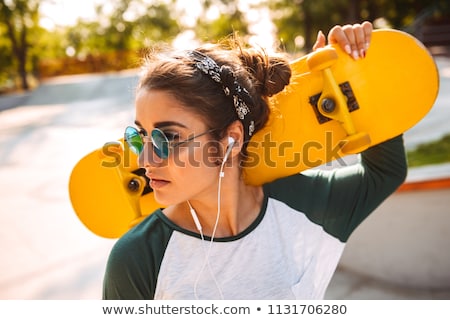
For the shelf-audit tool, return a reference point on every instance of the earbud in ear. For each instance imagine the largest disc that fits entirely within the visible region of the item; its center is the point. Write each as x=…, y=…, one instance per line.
x=231, y=142
x=230, y=145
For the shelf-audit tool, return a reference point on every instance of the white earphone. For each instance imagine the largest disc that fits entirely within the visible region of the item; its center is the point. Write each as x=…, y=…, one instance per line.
x=198, y=225
x=230, y=145
x=206, y=251
x=231, y=142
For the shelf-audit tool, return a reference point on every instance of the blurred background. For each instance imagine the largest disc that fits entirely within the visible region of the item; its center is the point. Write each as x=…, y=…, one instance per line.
x=68, y=69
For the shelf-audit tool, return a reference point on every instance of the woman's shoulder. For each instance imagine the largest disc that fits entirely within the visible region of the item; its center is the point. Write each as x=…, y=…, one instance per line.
x=134, y=260
x=152, y=232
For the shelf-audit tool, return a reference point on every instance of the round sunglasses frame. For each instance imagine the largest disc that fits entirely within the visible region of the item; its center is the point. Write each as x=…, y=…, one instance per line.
x=160, y=143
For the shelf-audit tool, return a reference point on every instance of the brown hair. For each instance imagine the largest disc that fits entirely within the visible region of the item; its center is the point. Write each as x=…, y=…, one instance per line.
x=261, y=74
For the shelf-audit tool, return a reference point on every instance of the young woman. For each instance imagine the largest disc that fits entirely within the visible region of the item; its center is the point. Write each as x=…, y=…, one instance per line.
x=217, y=237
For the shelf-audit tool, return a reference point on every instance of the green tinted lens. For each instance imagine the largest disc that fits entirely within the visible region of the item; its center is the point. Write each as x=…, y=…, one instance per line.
x=160, y=143
x=134, y=140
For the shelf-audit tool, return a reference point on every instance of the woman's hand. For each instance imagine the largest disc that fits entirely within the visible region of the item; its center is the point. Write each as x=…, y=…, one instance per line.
x=353, y=39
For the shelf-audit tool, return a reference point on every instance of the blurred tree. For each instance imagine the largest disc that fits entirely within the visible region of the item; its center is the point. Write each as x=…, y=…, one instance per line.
x=159, y=23
x=131, y=25
x=6, y=60
x=220, y=19
x=298, y=21
x=19, y=18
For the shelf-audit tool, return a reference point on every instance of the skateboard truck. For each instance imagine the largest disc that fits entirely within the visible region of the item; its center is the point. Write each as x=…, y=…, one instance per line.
x=332, y=102
x=133, y=184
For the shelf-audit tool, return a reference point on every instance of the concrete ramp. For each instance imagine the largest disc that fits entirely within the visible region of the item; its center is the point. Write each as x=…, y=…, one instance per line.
x=63, y=90
x=406, y=240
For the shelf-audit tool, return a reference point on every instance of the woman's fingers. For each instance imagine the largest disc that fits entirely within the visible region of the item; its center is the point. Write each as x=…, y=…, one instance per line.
x=320, y=42
x=337, y=35
x=353, y=39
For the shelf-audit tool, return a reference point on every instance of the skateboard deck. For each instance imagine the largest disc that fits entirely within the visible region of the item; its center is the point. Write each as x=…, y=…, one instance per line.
x=334, y=106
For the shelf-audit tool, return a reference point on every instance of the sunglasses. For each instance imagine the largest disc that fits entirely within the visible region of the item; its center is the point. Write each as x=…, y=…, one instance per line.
x=160, y=142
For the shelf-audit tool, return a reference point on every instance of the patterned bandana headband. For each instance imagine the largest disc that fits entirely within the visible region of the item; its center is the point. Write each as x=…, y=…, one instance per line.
x=231, y=88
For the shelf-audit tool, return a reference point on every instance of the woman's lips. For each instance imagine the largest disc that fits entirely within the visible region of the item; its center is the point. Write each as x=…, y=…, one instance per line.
x=158, y=183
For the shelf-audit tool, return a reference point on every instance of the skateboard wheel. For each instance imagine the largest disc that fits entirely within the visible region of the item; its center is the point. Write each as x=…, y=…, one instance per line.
x=134, y=185
x=328, y=105
x=321, y=59
x=356, y=143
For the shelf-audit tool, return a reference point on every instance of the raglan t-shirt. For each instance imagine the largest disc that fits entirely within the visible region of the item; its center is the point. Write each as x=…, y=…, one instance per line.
x=289, y=252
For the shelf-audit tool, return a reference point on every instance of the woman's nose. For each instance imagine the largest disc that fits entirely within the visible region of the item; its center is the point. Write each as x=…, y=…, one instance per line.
x=148, y=157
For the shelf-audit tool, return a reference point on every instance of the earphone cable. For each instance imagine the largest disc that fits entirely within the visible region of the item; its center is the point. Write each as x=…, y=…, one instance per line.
x=207, y=253
x=206, y=260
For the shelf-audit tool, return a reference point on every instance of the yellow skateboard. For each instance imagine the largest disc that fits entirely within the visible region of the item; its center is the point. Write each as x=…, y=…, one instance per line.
x=334, y=106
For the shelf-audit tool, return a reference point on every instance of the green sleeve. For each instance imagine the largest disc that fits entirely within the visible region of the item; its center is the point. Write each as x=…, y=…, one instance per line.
x=134, y=262
x=340, y=199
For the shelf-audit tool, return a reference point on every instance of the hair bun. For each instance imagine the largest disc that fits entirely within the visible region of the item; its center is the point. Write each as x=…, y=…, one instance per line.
x=272, y=72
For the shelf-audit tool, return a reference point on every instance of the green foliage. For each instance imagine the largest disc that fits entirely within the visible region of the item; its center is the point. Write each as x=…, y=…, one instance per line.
x=24, y=45
x=157, y=25
x=305, y=18
x=117, y=32
x=230, y=21
x=18, y=21
x=134, y=24
x=434, y=152
x=7, y=67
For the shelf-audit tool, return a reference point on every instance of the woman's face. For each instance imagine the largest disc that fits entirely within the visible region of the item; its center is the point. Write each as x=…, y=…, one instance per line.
x=189, y=172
